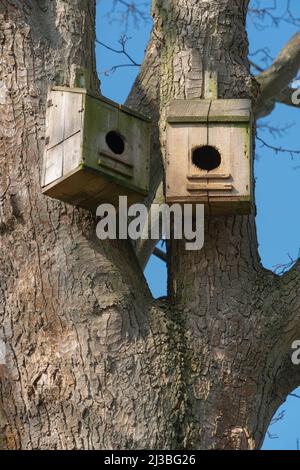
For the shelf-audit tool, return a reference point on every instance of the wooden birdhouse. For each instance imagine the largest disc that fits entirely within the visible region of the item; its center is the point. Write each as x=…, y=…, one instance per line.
x=96, y=150
x=209, y=152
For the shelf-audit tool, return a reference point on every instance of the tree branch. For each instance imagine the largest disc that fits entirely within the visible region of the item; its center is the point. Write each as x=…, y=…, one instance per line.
x=145, y=247
x=275, y=80
x=160, y=254
x=288, y=378
x=285, y=97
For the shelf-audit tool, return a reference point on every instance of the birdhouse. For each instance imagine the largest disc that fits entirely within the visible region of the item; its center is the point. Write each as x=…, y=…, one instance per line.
x=209, y=152
x=96, y=150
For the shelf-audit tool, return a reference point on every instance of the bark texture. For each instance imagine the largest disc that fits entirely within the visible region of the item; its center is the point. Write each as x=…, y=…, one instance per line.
x=92, y=361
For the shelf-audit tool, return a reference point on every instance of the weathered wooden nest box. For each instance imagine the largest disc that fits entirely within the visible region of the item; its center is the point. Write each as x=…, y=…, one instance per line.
x=96, y=150
x=209, y=149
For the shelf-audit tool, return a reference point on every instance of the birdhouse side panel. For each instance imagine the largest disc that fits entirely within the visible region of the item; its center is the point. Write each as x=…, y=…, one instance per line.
x=64, y=123
x=176, y=160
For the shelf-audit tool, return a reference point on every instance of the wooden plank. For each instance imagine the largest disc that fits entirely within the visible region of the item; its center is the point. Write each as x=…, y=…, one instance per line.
x=230, y=110
x=103, y=99
x=73, y=108
x=88, y=189
x=211, y=85
x=234, y=110
x=72, y=153
x=219, y=207
x=209, y=175
x=106, y=162
x=64, y=116
x=209, y=187
x=177, y=159
x=63, y=119
x=234, y=154
x=54, y=119
x=188, y=110
x=53, y=164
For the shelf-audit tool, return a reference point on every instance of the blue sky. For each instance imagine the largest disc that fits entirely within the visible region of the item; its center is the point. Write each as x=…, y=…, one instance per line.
x=277, y=175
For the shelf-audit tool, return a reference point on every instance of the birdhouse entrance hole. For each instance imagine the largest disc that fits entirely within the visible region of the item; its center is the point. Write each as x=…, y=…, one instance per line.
x=115, y=142
x=206, y=157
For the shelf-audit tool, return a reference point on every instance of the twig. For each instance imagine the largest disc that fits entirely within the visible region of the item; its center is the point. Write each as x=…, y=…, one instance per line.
x=275, y=131
x=257, y=67
x=122, y=41
x=131, y=9
x=266, y=56
x=277, y=149
x=277, y=418
x=261, y=14
x=160, y=254
x=281, y=269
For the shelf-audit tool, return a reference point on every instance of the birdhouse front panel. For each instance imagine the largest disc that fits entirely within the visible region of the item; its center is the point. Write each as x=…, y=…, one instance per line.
x=96, y=150
x=209, y=154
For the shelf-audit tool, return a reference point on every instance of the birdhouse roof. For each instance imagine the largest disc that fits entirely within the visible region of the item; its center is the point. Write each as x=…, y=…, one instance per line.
x=102, y=98
x=231, y=110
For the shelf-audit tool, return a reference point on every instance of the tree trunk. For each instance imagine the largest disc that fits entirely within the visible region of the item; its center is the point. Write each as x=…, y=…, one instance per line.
x=92, y=361
x=236, y=318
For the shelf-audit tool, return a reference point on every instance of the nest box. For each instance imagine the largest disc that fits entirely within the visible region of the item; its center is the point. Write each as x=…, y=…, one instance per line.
x=96, y=150
x=209, y=150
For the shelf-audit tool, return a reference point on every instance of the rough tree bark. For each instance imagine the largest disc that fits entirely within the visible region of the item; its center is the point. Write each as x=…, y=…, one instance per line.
x=92, y=361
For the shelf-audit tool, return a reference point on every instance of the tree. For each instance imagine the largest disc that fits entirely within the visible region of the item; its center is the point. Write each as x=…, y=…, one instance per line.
x=92, y=361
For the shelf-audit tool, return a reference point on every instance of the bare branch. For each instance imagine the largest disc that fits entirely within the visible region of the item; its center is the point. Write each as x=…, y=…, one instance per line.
x=275, y=131
x=123, y=51
x=281, y=269
x=276, y=78
x=264, y=54
x=285, y=97
x=260, y=15
x=257, y=67
x=277, y=149
x=275, y=420
x=294, y=395
x=160, y=254
x=278, y=418
x=137, y=11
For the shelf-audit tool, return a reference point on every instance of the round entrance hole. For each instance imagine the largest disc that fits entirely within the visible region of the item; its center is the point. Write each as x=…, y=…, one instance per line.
x=206, y=157
x=115, y=142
